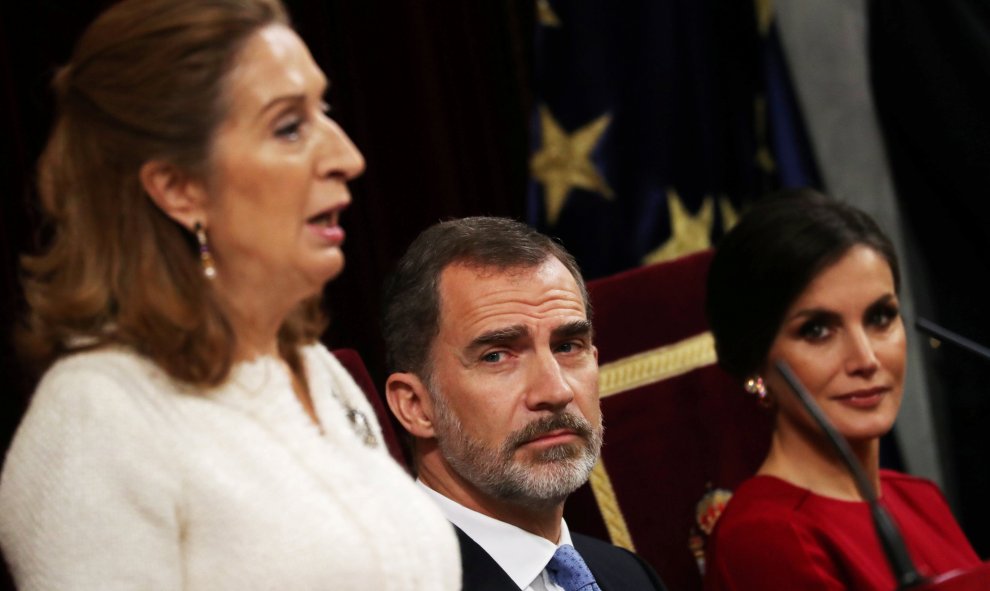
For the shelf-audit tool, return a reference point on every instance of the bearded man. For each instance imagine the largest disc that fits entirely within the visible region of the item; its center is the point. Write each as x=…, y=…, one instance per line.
x=495, y=377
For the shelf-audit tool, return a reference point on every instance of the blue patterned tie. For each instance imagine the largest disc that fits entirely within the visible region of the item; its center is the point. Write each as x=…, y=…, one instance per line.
x=570, y=572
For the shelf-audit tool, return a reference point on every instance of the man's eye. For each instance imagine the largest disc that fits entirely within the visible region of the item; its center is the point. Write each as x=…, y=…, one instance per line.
x=567, y=347
x=492, y=357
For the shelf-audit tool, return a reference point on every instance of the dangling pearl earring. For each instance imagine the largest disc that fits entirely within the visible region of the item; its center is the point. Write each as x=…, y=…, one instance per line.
x=205, y=258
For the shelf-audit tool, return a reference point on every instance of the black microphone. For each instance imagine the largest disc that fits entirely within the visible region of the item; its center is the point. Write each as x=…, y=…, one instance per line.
x=958, y=340
x=905, y=573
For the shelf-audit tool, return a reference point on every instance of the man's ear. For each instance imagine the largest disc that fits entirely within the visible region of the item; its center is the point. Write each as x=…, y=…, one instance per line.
x=181, y=197
x=410, y=403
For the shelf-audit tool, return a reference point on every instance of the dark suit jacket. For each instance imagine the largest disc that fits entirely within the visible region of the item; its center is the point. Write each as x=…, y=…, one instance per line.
x=614, y=568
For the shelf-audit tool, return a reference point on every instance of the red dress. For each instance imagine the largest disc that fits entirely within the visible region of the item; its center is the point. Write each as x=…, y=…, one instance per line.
x=774, y=535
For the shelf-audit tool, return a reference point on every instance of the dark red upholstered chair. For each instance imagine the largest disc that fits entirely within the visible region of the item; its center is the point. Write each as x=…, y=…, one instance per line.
x=677, y=427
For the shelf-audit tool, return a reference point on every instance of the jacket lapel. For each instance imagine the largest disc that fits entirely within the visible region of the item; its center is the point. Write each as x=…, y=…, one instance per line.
x=480, y=571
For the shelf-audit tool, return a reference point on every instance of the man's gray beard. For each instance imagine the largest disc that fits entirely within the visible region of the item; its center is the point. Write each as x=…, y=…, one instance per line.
x=555, y=472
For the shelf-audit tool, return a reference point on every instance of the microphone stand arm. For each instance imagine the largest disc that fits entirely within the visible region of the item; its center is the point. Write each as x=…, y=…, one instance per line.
x=900, y=561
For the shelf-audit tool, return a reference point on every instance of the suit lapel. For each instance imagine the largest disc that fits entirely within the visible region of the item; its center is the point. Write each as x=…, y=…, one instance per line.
x=614, y=569
x=481, y=572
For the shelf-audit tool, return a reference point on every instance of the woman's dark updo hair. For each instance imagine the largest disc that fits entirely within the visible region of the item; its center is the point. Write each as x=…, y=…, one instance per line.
x=767, y=260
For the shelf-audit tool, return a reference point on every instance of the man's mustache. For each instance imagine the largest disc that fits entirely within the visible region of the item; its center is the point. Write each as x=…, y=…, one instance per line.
x=579, y=425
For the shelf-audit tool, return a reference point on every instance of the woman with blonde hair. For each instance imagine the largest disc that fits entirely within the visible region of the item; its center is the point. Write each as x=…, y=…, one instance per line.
x=189, y=430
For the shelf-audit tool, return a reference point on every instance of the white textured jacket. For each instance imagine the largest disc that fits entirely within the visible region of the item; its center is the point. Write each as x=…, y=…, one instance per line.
x=120, y=477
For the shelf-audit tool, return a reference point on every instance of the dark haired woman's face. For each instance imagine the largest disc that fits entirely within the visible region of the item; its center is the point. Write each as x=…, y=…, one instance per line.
x=279, y=167
x=844, y=338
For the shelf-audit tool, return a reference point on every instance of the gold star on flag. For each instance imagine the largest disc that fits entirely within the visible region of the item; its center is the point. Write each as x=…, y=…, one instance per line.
x=545, y=14
x=688, y=233
x=564, y=162
x=729, y=214
x=763, y=157
x=764, y=15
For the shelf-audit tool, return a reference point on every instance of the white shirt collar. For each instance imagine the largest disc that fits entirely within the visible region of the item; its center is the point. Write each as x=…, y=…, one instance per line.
x=521, y=554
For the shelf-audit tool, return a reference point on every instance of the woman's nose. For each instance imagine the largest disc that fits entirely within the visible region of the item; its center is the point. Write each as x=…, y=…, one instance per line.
x=338, y=154
x=861, y=355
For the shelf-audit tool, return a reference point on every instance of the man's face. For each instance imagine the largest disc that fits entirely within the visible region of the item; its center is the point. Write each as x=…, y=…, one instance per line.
x=515, y=381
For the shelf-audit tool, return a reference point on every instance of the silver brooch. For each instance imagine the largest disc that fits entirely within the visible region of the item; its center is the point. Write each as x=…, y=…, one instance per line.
x=362, y=427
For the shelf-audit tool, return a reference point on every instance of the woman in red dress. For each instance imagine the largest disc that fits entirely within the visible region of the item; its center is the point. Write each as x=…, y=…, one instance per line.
x=813, y=282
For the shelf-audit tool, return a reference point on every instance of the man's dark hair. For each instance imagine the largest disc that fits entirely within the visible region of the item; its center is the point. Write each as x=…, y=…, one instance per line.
x=412, y=298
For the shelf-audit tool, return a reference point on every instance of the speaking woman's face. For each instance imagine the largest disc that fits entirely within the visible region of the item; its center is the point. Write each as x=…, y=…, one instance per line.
x=845, y=341
x=278, y=172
